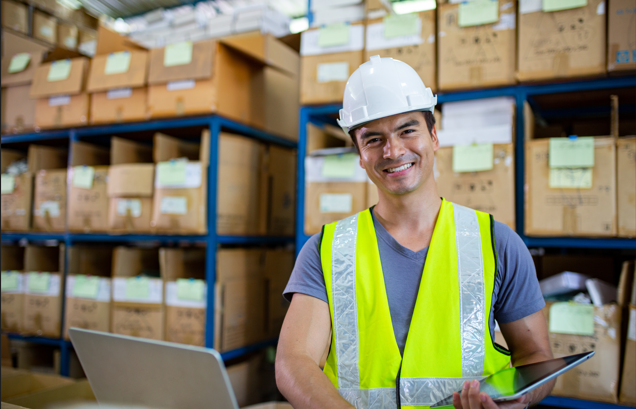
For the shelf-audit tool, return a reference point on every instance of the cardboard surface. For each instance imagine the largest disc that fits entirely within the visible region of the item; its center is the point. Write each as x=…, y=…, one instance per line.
x=567, y=43
x=571, y=212
x=15, y=16
x=67, y=35
x=200, y=67
x=621, y=30
x=88, y=208
x=109, y=41
x=312, y=91
x=12, y=303
x=628, y=380
x=14, y=43
x=74, y=393
x=133, y=185
x=74, y=113
x=19, y=115
x=16, y=206
x=282, y=191
x=44, y=27
x=626, y=186
x=488, y=191
x=105, y=109
x=74, y=84
x=134, y=77
x=41, y=157
x=315, y=219
x=478, y=56
x=23, y=77
x=277, y=270
x=50, y=188
x=17, y=383
x=124, y=151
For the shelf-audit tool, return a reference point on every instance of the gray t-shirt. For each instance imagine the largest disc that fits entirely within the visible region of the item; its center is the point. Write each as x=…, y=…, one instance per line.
x=516, y=293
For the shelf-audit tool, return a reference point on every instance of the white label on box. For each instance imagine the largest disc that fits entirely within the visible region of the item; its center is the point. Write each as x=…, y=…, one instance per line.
x=491, y=134
x=335, y=71
x=70, y=42
x=507, y=21
x=46, y=31
x=103, y=288
x=155, y=293
x=174, y=301
x=530, y=6
x=309, y=42
x=431, y=39
x=600, y=9
x=377, y=41
x=119, y=93
x=54, y=285
x=336, y=203
x=177, y=85
x=50, y=206
x=631, y=328
x=174, y=205
x=18, y=288
x=59, y=100
x=126, y=205
x=192, y=177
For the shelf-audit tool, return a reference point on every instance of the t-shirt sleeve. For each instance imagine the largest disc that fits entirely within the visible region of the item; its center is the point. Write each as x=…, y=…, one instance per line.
x=519, y=294
x=307, y=277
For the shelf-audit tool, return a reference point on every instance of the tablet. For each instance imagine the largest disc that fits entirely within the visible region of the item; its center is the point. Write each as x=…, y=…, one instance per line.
x=512, y=383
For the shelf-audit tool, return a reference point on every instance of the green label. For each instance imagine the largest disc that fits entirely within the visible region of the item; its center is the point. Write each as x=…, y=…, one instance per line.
x=340, y=166
x=7, y=184
x=138, y=288
x=572, y=318
x=556, y=5
x=177, y=54
x=572, y=152
x=117, y=63
x=400, y=25
x=19, y=62
x=478, y=12
x=83, y=176
x=39, y=282
x=190, y=289
x=472, y=158
x=86, y=286
x=10, y=280
x=333, y=35
x=60, y=70
x=171, y=173
x=571, y=178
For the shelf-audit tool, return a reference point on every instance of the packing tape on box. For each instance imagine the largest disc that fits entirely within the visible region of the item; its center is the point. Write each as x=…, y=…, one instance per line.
x=569, y=220
x=561, y=64
x=476, y=74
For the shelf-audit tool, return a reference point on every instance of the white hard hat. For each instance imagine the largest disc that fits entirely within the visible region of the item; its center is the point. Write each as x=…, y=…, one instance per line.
x=383, y=87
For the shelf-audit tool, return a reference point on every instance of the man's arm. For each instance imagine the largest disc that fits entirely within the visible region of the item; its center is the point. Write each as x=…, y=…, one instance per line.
x=527, y=339
x=305, y=336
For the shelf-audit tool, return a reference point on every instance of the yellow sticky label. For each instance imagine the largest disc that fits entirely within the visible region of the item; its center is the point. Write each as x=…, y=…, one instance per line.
x=83, y=176
x=8, y=184
x=117, y=63
x=19, y=62
x=400, y=25
x=478, y=12
x=60, y=70
x=190, y=289
x=472, y=158
x=334, y=34
x=556, y=5
x=177, y=54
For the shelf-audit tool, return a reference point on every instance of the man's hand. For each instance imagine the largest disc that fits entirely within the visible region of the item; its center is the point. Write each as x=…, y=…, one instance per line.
x=470, y=398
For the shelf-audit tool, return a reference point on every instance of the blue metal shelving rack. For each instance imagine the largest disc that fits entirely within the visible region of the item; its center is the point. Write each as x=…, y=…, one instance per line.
x=215, y=124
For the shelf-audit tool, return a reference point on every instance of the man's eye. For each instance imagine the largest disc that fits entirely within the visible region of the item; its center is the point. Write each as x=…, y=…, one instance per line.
x=373, y=140
x=409, y=131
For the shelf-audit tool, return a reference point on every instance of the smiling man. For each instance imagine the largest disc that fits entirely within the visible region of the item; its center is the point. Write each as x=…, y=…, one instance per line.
x=395, y=306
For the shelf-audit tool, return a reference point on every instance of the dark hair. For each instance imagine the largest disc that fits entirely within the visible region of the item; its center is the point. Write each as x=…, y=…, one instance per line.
x=429, y=118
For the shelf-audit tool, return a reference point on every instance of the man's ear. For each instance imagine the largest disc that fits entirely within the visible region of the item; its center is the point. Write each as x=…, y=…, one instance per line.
x=434, y=139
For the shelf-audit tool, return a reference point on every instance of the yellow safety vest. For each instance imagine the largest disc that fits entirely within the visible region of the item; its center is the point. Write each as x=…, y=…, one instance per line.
x=449, y=339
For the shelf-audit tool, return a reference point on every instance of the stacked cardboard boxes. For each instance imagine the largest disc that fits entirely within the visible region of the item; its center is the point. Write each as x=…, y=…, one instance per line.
x=44, y=27
x=15, y=16
x=17, y=193
x=12, y=305
x=626, y=186
x=621, y=48
x=48, y=164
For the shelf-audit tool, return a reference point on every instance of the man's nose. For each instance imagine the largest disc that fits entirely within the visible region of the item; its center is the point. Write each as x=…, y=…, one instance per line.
x=394, y=148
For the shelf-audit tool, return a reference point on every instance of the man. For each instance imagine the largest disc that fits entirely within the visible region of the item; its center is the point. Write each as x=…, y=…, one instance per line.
x=402, y=298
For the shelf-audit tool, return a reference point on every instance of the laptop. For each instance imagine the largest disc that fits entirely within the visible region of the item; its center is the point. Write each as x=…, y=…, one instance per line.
x=131, y=371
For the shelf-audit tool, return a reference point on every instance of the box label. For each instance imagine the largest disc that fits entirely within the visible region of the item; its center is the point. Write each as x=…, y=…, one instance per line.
x=8, y=184
x=128, y=206
x=174, y=205
x=309, y=42
x=377, y=40
x=192, y=177
x=84, y=286
x=473, y=158
x=117, y=63
x=530, y=6
x=46, y=31
x=177, y=54
x=173, y=300
x=335, y=71
x=41, y=283
x=400, y=25
x=571, y=178
x=340, y=166
x=138, y=289
x=572, y=152
x=336, y=203
x=119, y=93
x=70, y=42
x=478, y=12
x=12, y=282
x=177, y=85
x=59, y=100
x=19, y=62
x=171, y=173
x=59, y=71
x=572, y=318
x=556, y=5
x=49, y=206
x=190, y=289
x=334, y=35
x=83, y=176
x=631, y=327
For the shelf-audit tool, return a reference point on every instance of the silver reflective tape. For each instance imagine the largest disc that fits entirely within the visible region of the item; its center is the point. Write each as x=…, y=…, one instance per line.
x=429, y=391
x=470, y=265
x=380, y=398
x=345, y=314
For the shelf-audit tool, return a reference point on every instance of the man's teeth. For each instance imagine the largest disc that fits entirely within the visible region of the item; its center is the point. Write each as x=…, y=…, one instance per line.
x=401, y=168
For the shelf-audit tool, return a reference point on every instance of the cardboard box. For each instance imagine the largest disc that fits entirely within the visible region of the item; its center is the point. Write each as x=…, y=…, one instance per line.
x=628, y=380
x=14, y=43
x=88, y=206
x=277, y=270
x=418, y=51
x=110, y=41
x=281, y=187
x=20, y=112
x=477, y=56
x=239, y=313
x=61, y=103
x=626, y=186
x=245, y=378
x=571, y=212
x=240, y=204
x=18, y=383
x=43, y=305
x=490, y=191
x=567, y=43
x=67, y=35
x=621, y=33
x=87, y=42
x=330, y=199
x=83, y=308
x=12, y=305
x=130, y=186
x=185, y=317
x=15, y=16
x=16, y=205
x=182, y=208
x=44, y=27
x=597, y=378
x=75, y=393
x=49, y=201
x=138, y=315
x=326, y=137
x=324, y=71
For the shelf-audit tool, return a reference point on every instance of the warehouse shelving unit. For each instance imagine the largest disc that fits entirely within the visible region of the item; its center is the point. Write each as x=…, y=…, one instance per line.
x=216, y=124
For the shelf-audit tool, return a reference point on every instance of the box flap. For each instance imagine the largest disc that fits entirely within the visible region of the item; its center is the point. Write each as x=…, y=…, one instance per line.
x=135, y=76
x=87, y=154
x=126, y=151
x=74, y=84
x=47, y=259
x=134, y=179
x=182, y=263
x=109, y=41
x=14, y=43
x=12, y=258
x=90, y=260
x=59, y=53
x=131, y=262
x=200, y=67
x=8, y=156
x=267, y=49
x=46, y=157
x=167, y=148
x=22, y=77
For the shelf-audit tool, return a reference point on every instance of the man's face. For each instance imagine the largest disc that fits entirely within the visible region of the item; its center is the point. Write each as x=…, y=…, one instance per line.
x=398, y=152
